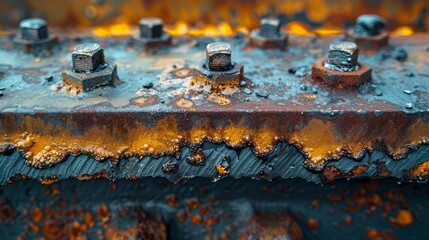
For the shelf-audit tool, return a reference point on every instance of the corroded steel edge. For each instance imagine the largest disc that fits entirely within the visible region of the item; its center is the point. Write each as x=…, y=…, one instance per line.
x=276, y=135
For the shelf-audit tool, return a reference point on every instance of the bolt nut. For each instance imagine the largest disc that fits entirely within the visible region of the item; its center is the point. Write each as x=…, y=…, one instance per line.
x=269, y=27
x=340, y=79
x=218, y=56
x=87, y=57
x=343, y=54
x=90, y=69
x=369, y=25
x=151, y=27
x=34, y=29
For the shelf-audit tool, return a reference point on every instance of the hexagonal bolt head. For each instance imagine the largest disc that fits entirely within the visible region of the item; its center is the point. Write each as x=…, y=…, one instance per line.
x=151, y=27
x=87, y=57
x=218, y=56
x=369, y=25
x=34, y=29
x=270, y=27
x=343, y=54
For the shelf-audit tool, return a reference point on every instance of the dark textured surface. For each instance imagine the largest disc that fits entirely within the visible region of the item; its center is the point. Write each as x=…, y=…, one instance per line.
x=285, y=162
x=339, y=209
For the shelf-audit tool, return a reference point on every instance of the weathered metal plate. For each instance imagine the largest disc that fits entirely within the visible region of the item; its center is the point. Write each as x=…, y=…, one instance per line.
x=280, y=124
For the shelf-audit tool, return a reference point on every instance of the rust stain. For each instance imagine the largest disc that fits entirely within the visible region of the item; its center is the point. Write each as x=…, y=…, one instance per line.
x=185, y=103
x=103, y=213
x=421, y=170
x=403, y=218
x=144, y=101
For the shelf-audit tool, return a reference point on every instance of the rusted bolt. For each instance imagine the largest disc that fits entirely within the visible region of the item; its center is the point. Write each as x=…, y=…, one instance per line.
x=218, y=56
x=341, y=69
x=151, y=34
x=34, y=29
x=218, y=66
x=34, y=33
x=151, y=27
x=268, y=35
x=369, y=25
x=270, y=27
x=343, y=56
x=369, y=33
x=87, y=57
x=90, y=69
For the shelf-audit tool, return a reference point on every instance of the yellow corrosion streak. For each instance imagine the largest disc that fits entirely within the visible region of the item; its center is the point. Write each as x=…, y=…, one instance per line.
x=317, y=138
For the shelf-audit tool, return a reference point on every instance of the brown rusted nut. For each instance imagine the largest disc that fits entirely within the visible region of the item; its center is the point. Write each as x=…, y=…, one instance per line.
x=268, y=42
x=370, y=44
x=34, y=33
x=151, y=34
x=90, y=69
x=339, y=79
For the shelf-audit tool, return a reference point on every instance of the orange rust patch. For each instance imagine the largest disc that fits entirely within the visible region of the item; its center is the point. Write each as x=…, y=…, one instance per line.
x=76, y=230
x=114, y=234
x=185, y=103
x=52, y=230
x=144, y=101
x=313, y=224
x=48, y=181
x=222, y=171
x=403, y=218
x=196, y=219
x=89, y=220
x=421, y=170
x=36, y=215
x=193, y=203
x=219, y=99
x=103, y=213
x=172, y=201
x=224, y=87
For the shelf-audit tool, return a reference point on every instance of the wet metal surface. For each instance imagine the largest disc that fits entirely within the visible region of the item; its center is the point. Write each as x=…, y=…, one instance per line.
x=158, y=109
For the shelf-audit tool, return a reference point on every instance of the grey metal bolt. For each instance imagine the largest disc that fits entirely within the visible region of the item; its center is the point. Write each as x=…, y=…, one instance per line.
x=151, y=27
x=87, y=57
x=369, y=25
x=343, y=54
x=218, y=56
x=270, y=27
x=34, y=29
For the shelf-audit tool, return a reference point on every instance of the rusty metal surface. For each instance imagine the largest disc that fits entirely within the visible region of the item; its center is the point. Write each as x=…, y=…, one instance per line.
x=154, y=208
x=278, y=113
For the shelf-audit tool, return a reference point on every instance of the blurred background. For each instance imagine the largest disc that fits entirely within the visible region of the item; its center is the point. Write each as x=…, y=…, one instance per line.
x=215, y=17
